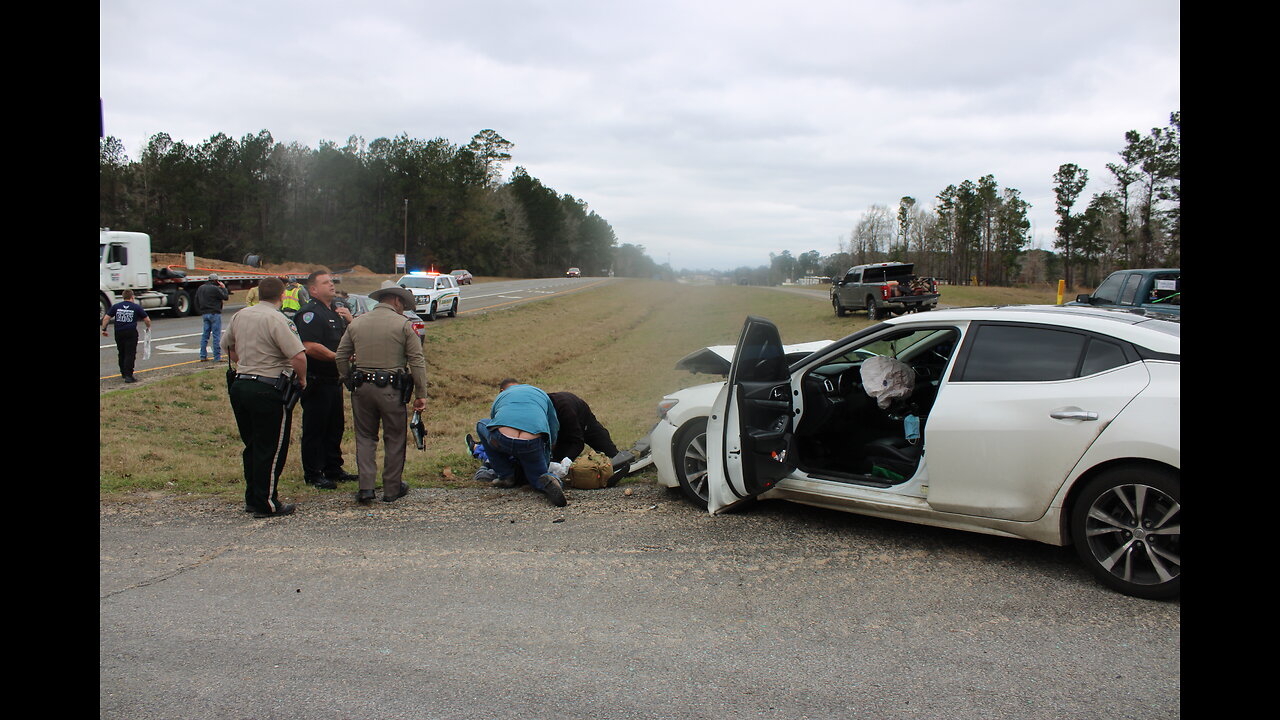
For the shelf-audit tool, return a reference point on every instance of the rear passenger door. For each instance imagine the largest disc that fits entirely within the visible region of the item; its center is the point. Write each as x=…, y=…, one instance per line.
x=1021, y=405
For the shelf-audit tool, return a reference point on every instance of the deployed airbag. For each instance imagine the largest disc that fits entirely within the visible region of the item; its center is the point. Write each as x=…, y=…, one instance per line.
x=887, y=379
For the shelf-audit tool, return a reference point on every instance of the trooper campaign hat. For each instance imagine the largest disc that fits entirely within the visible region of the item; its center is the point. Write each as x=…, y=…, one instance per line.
x=390, y=288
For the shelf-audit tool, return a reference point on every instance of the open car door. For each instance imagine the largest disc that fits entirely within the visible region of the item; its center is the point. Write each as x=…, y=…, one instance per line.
x=750, y=429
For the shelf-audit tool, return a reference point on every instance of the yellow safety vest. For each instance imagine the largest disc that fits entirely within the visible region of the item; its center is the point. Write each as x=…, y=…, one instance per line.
x=291, y=300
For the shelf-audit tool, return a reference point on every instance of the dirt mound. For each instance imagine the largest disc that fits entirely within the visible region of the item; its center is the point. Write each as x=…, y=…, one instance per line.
x=159, y=260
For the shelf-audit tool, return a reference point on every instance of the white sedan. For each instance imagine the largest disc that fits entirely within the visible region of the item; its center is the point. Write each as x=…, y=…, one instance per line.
x=1053, y=424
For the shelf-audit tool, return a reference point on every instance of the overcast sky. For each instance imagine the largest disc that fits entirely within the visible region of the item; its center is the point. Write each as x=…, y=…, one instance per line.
x=712, y=133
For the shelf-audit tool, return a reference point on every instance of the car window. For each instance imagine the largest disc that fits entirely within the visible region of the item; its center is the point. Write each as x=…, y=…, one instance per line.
x=1011, y=353
x=1101, y=355
x=1109, y=290
x=1130, y=289
x=1166, y=289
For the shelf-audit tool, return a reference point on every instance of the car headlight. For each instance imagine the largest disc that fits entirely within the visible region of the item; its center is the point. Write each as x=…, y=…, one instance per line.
x=665, y=406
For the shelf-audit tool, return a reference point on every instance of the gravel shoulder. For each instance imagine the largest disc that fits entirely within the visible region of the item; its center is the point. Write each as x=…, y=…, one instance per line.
x=482, y=603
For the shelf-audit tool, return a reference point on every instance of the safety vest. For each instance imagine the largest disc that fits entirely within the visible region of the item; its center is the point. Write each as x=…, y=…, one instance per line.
x=291, y=299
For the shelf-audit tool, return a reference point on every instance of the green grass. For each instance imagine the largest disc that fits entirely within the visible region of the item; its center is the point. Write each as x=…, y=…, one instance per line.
x=615, y=347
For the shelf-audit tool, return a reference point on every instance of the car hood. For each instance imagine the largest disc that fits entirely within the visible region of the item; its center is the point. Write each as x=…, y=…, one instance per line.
x=717, y=359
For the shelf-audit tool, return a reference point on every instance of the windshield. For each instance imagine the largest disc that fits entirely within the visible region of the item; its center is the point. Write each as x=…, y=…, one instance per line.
x=416, y=281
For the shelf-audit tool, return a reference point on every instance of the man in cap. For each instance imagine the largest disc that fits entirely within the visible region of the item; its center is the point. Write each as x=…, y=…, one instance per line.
x=209, y=299
x=320, y=326
x=388, y=367
x=264, y=345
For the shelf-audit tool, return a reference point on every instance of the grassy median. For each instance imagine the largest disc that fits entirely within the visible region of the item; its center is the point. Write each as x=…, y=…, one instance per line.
x=615, y=346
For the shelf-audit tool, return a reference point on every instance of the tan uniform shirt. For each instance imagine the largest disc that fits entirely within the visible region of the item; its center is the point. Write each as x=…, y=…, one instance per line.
x=383, y=339
x=264, y=340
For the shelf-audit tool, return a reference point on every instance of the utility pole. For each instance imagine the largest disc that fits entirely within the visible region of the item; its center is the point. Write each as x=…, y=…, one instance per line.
x=406, y=232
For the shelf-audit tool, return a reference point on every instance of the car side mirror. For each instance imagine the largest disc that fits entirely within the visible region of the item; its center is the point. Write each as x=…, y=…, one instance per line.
x=1087, y=299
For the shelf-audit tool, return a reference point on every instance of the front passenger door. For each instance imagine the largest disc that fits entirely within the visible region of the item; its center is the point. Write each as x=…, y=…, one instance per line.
x=750, y=430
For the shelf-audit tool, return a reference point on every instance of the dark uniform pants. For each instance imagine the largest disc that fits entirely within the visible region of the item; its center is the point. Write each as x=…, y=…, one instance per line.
x=322, y=427
x=370, y=406
x=264, y=428
x=126, y=350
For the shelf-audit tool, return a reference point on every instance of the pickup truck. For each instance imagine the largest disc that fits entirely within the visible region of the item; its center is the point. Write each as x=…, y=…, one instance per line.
x=883, y=290
x=1150, y=290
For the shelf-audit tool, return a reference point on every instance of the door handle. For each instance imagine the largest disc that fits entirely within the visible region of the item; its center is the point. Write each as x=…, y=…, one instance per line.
x=1073, y=414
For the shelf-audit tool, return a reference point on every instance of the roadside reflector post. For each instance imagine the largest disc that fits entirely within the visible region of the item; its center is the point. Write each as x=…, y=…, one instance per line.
x=1062, y=287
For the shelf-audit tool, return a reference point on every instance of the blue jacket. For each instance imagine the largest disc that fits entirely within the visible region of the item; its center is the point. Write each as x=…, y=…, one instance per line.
x=525, y=407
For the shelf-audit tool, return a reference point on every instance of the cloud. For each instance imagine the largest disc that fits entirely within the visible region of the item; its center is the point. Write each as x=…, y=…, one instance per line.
x=715, y=132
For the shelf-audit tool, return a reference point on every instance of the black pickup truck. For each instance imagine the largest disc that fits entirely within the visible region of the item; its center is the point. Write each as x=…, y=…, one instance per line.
x=883, y=290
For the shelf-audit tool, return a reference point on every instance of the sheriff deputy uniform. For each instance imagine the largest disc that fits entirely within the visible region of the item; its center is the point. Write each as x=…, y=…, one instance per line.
x=265, y=344
x=390, y=368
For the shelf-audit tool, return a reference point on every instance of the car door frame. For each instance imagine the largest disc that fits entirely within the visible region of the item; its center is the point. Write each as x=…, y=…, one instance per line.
x=746, y=456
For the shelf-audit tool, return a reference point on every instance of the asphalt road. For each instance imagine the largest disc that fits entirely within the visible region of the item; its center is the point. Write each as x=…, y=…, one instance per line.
x=175, y=342
x=483, y=603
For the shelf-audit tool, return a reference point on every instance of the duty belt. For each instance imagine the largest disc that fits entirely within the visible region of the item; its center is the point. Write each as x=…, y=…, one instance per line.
x=260, y=378
x=381, y=378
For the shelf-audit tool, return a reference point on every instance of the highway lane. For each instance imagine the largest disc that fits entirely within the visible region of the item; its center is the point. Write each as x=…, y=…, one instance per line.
x=175, y=342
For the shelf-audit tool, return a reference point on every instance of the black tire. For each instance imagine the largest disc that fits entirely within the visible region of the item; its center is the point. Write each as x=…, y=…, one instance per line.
x=103, y=307
x=840, y=310
x=874, y=311
x=431, y=311
x=1125, y=525
x=180, y=304
x=453, y=311
x=689, y=453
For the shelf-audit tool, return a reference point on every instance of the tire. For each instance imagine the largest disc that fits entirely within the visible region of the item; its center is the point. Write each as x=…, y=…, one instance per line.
x=453, y=310
x=689, y=453
x=840, y=311
x=874, y=311
x=1126, y=528
x=431, y=311
x=180, y=304
x=103, y=307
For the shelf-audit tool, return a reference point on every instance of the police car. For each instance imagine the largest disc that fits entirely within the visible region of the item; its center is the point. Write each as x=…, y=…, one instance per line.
x=434, y=293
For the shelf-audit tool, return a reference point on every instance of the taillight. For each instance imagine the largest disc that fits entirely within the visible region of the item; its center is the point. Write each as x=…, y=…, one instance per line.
x=884, y=292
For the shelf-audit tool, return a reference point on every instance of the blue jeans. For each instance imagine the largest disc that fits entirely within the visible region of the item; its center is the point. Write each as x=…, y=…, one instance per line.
x=506, y=453
x=212, y=326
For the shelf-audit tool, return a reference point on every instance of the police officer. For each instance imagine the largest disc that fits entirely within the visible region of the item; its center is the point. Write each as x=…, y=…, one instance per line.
x=264, y=345
x=389, y=366
x=320, y=326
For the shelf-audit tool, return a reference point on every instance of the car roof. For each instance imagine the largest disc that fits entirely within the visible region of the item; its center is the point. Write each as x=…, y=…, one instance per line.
x=1155, y=332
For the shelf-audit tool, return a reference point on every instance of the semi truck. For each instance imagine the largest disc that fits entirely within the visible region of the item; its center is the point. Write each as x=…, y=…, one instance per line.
x=124, y=262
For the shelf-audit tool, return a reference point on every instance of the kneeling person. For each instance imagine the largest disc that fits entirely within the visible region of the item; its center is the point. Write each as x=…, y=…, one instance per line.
x=520, y=431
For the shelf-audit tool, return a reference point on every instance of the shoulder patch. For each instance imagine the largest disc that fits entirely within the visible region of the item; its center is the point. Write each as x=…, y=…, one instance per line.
x=307, y=317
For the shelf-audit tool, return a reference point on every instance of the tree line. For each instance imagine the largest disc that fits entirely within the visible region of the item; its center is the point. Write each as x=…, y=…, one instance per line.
x=442, y=204
x=978, y=232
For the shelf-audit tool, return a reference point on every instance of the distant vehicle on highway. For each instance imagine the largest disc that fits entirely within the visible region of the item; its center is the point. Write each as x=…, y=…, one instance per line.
x=463, y=277
x=361, y=304
x=573, y=272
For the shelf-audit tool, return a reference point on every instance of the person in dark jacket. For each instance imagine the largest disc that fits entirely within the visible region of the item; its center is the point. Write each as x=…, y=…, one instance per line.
x=126, y=315
x=209, y=299
x=579, y=427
